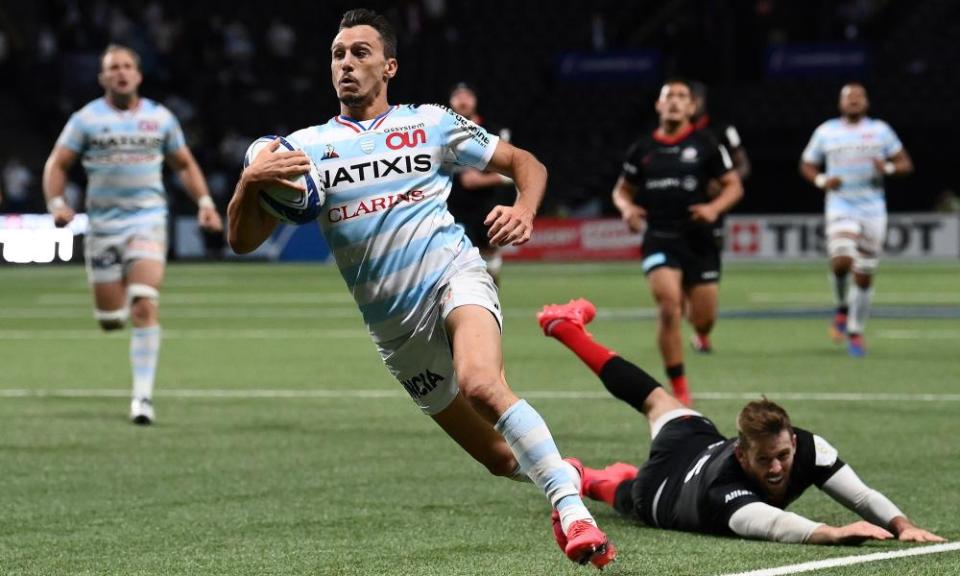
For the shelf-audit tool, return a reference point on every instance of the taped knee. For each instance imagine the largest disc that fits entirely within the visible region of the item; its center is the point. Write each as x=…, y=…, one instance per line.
x=111, y=319
x=842, y=246
x=136, y=291
x=865, y=264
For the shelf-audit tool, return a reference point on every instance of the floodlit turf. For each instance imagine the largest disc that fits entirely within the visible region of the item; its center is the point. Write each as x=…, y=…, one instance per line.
x=326, y=482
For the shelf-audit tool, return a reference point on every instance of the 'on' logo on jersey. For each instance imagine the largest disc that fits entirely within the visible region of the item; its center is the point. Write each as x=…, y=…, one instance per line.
x=411, y=139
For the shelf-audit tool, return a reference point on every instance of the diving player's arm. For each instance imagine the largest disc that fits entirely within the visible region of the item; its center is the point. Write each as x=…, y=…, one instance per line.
x=761, y=521
x=185, y=165
x=55, y=182
x=848, y=489
x=250, y=225
x=514, y=224
x=731, y=191
x=630, y=212
x=900, y=164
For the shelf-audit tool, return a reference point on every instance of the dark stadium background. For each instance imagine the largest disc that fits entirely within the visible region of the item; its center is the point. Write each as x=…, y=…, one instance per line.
x=235, y=70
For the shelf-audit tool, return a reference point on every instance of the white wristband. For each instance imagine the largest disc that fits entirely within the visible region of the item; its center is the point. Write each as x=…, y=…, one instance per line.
x=206, y=202
x=821, y=181
x=56, y=203
x=889, y=168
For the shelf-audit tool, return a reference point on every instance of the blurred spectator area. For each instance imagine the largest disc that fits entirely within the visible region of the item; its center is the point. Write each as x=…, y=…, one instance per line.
x=232, y=71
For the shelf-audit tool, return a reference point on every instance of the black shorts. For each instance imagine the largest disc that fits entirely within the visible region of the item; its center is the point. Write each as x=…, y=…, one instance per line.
x=696, y=255
x=672, y=452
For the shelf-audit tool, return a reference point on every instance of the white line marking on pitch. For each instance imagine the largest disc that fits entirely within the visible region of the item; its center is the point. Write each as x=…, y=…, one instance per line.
x=214, y=298
x=881, y=297
x=397, y=393
x=190, y=334
x=849, y=560
x=200, y=313
x=918, y=334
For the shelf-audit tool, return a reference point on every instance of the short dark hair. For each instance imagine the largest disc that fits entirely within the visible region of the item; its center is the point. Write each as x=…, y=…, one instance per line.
x=379, y=22
x=111, y=48
x=761, y=419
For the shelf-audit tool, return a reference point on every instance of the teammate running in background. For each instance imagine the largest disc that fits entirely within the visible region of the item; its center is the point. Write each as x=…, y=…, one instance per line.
x=422, y=288
x=858, y=152
x=663, y=188
x=123, y=140
x=474, y=192
x=728, y=136
x=697, y=480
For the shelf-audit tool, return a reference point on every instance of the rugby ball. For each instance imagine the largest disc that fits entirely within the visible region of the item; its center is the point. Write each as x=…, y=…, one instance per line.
x=285, y=204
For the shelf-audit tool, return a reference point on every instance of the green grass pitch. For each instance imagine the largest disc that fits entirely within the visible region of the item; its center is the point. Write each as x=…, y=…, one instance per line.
x=332, y=470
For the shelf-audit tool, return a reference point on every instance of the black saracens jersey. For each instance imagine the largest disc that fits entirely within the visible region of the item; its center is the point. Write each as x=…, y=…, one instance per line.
x=671, y=174
x=702, y=494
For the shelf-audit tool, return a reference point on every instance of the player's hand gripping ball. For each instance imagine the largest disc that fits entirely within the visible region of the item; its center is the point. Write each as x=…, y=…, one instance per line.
x=287, y=204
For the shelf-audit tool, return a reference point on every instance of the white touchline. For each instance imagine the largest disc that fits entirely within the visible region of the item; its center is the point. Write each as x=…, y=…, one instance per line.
x=398, y=393
x=193, y=334
x=850, y=560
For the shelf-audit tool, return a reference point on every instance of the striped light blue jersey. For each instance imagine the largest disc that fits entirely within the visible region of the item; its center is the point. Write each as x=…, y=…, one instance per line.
x=385, y=217
x=122, y=152
x=848, y=151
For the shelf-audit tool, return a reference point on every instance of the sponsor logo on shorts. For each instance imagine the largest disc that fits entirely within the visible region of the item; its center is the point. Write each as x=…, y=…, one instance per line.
x=422, y=384
x=106, y=259
x=710, y=275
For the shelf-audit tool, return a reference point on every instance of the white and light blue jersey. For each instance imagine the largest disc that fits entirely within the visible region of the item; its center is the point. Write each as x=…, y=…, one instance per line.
x=847, y=151
x=122, y=152
x=385, y=216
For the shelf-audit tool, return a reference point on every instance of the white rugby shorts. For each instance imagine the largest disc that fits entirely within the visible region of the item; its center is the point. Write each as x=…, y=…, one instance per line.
x=422, y=361
x=108, y=255
x=870, y=233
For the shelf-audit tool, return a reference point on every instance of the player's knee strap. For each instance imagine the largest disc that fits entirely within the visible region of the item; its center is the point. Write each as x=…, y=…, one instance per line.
x=111, y=316
x=135, y=291
x=867, y=265
x=842, y=245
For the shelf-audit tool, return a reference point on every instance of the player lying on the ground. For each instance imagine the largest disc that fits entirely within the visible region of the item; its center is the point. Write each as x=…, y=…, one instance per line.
x=697, y=480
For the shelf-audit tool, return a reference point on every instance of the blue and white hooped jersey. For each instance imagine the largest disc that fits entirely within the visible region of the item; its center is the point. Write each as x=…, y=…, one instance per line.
x=122, y=152
x=385, y=217
x=848, y=151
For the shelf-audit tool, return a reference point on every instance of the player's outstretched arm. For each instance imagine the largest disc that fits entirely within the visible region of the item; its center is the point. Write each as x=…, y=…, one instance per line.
x=514, y=224
x=848, y=489
x=855, y=533
x=250, y=225
x=55, y=182
x=761, y=521
x=907, y=531
x=185, y=165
